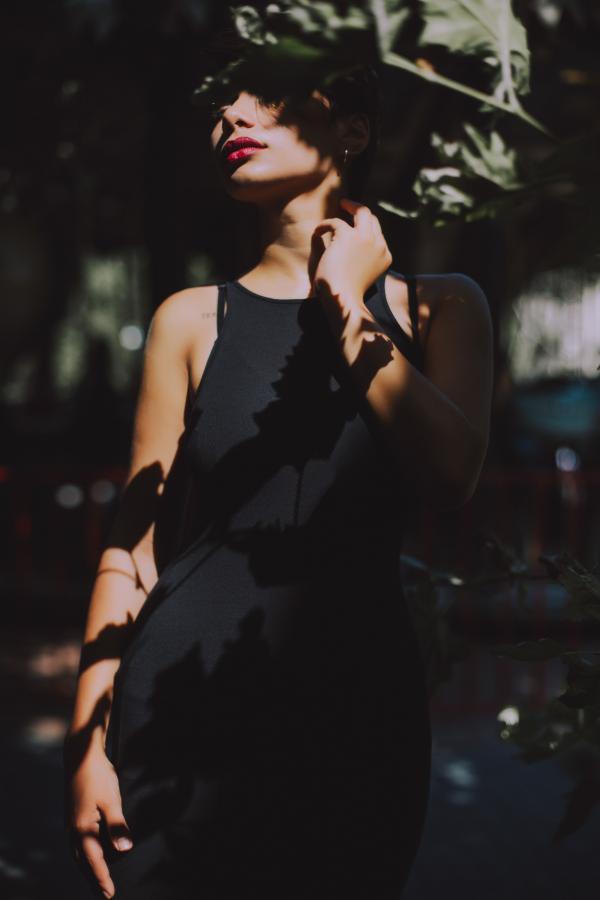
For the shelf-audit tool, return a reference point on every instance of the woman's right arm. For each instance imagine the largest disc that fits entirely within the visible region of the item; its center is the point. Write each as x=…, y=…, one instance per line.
x=125, y=574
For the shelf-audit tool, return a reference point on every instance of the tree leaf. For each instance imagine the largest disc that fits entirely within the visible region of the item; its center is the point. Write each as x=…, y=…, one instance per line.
x=530, y=651
x=308, y=43
x=467, y=167
x=583, y=587
x=581, y=800
x=250, y=25
x=583, y=680
x=484, y=28
x=389, y=17
x=587, y=662
x=505, y=557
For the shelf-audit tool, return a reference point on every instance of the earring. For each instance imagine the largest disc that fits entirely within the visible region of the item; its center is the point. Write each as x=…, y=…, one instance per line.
x=345, y=156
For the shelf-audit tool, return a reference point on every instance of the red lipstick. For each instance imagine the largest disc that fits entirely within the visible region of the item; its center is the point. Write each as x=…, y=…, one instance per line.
x=243, y=152
x=240, y=147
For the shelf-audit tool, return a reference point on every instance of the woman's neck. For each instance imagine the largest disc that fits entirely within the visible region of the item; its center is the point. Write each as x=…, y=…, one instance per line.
x=285, y=242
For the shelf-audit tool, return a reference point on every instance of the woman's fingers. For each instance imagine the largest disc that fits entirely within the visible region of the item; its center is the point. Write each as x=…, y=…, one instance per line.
x=356, y=252
x=87, y=842
x=363, y=218
x=367, y=221
x=328, y=229
x=91, y=850
x=360, y=211
x=331, y=225
x=96, y=822
x=116, y=825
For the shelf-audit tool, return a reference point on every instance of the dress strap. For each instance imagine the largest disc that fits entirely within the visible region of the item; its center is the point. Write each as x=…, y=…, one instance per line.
x=221, y=297
x=413, y=308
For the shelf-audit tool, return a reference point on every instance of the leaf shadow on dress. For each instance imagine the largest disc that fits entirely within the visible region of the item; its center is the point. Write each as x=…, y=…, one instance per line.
x=278, y=743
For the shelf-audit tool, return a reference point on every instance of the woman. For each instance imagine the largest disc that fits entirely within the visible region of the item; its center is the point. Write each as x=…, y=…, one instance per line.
x=267, y=730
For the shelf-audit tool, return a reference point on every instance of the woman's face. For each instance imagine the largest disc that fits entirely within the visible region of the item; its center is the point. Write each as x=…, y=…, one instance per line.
x=301, y=146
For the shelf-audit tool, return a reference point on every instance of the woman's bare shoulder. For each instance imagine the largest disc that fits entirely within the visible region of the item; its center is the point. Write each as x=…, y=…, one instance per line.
x=432, y=289
x=183, y=328
x=186, y=310
x=186, y=319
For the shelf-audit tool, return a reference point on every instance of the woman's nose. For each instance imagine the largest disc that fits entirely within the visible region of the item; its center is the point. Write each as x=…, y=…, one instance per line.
x=240, y=111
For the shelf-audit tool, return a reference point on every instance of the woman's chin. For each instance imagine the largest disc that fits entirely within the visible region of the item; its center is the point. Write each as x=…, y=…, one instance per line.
x=250, y=188
x=248, y=191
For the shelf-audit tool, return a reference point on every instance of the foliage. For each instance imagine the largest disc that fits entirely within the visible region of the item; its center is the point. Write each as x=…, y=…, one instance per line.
x=583, y=587
x=475, y=174
x=480, y=176
x=467, y=168
x=569, y=722
x=488, y=30
x=307, y=43
x=441, y=648
x=319, y=40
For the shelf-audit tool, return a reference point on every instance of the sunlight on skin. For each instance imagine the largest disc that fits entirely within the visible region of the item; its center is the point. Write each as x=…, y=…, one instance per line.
x=295, y=180
x=400, y=394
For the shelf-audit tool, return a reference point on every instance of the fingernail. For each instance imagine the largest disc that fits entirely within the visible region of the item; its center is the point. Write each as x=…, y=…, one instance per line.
x=106, y=894
x=123, y=843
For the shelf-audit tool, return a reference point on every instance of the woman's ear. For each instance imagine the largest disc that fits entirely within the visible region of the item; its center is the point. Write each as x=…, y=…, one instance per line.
x=354, y=132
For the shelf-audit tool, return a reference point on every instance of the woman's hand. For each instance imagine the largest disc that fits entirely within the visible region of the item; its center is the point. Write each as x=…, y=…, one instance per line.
x=354, y=256
x=92, y=794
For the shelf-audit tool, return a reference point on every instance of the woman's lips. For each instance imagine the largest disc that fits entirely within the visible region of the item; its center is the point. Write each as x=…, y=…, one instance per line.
x=242, y=152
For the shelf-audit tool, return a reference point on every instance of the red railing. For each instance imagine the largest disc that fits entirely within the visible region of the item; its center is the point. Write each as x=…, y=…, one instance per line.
x=54, y=520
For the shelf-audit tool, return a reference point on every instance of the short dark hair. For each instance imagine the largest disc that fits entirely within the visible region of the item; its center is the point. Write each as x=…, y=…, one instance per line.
x=358, y=91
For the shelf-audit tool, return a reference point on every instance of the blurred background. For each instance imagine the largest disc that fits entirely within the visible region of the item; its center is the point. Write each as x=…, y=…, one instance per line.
x=107, y=205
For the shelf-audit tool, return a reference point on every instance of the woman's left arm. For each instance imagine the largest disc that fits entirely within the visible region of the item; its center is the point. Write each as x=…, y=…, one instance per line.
x=436, y=421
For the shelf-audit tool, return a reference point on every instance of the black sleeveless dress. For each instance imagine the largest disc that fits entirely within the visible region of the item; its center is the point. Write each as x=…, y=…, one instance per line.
x=270, y=722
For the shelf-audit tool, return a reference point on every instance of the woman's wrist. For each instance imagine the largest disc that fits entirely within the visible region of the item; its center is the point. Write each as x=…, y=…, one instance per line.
x=345, y=312
x=82, y=742
x=81, y=753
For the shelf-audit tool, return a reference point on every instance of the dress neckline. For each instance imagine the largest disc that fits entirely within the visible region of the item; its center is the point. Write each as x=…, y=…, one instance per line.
x=246, y=290
x=376, y=284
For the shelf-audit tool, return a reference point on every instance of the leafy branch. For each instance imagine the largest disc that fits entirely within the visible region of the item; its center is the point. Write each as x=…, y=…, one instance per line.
x=568, y=722
x=476, y=175
x=333, y=35
x=428, y=73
